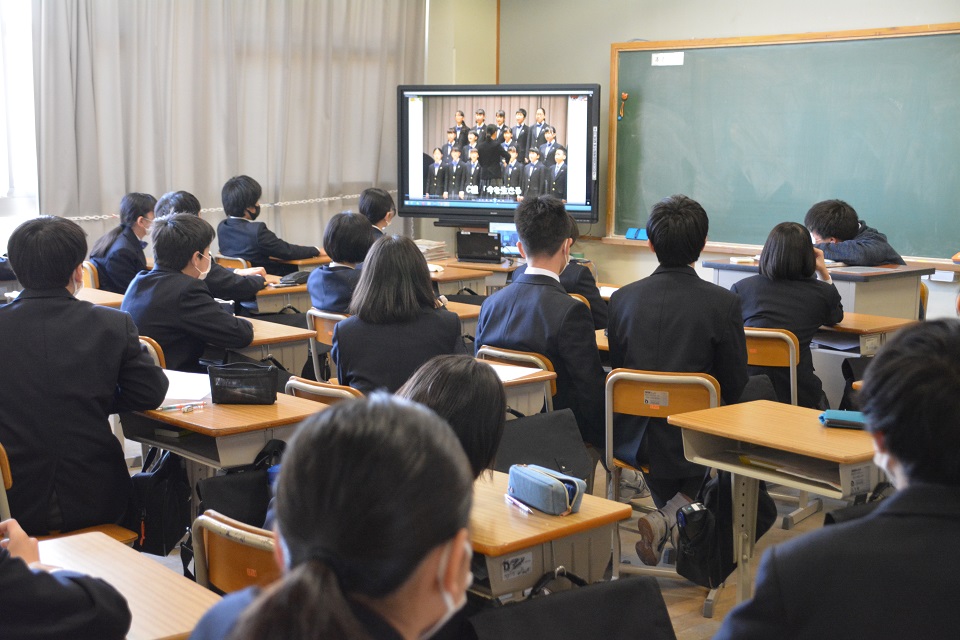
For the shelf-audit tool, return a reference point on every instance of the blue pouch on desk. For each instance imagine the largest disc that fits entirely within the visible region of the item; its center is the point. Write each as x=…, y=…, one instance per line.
x=843, y=419
x=545, y=489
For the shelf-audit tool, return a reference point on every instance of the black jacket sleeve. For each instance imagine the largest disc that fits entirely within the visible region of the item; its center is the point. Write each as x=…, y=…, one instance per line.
x=141, y=383
x=223, y=283
x=205, y=319
x=274, y=247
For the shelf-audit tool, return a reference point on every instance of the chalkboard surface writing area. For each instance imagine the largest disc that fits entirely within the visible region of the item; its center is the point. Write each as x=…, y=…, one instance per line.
x=758, y=129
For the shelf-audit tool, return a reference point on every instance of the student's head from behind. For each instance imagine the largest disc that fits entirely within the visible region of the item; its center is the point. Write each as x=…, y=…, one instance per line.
x=395, y=283
x=468, y=394
x=788, y=253
x=832, y=221
x=182, y=242
x=47, y=252
x=378, y=206
x=543, y=226
x=677, y=230
x=491, y=131
x=911, y=400
x=177, y=202
x=241, y=196
x=403, y=553
x=347, y=238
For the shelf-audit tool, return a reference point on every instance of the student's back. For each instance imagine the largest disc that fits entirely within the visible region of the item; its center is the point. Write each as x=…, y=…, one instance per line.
x=347, y=239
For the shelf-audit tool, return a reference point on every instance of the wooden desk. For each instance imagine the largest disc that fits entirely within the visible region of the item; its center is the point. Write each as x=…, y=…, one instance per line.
x=273, y=299
x=525, y=394
x=520, y=547
x=286, y=344
x=889, y=290
x=457, y=278
x=500, y=272
x=164, y=604
x=607, y=289
x=468, y=314
x=603, y=342
x=306, y=264
x=838, y=461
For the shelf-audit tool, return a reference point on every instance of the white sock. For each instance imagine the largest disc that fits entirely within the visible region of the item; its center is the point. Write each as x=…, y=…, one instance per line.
x=669, y=510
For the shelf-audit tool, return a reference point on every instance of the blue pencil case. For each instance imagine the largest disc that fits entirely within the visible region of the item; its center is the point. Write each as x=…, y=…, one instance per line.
x=843, y=419
x=545, y=489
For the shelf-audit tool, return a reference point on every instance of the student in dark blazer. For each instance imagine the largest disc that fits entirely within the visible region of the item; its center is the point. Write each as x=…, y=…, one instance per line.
x=891, y=573
x=471, y=176
x=395, y=324
x=502, y=127
x=436, y=177
x=41, y=601
x=172, y=305
x=456, y=175
x=521, y=133
x=239, y=285
x=461, y=128
x=538, y=132
x=118, y=254
x=68, y=365
x=512, y=173
x=347, y=240
x=532, y=182
x=549, y=148
x=577, y=278
x=242, y=237
x=377, y=206
x=448, y=146
x=843, y=237
x=786, y=295
x=535, y=314
x=481, y=123
x=556, y=180
x=673, y=321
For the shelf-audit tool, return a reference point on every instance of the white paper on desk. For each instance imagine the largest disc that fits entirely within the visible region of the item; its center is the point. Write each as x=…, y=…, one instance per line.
x=508, y=372
x=837, y=340
x=606, y=292
x=186, y=387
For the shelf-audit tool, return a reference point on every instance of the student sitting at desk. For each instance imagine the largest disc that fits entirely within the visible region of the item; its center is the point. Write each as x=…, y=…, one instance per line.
x=347, y=239
x=377, y=206
x=67, y=366
x=786, y=296
x=673, y=321
x=892, y=573
x=171, y=304
x=239, y=285
x=845, y=238
x=577, y=278
x=468, y=394
x=118, y=254
x=242, y=237
x=535, y=314
x=395, y=324
x=361, y=562
x=40, y=601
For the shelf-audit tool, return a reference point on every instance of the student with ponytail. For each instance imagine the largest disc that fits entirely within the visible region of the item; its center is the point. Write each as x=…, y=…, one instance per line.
x=118, y=254
x=359, y=561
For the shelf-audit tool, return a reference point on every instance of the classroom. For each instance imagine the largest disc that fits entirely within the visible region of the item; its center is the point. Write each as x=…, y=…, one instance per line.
x=305, y=103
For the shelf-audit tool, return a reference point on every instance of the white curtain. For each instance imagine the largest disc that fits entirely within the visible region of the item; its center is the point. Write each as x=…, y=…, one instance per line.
x=18, y=151
x=159, y=95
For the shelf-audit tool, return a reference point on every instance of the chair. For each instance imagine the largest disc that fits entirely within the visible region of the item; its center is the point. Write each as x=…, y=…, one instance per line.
x=231, y=263
x=155, y=351
x=91, y=277
x=924, y=296
x=231, y=555
x=780, y=348
x=523, y=359
x=577, y=296
x=323, y=392
x=322, y=322
x=118, y=533
x=652, y=394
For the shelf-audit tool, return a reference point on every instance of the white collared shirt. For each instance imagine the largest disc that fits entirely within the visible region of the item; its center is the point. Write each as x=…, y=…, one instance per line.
x=536, y=271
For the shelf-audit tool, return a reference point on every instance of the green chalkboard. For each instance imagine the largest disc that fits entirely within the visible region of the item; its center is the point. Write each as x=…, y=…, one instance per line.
x=758, y=132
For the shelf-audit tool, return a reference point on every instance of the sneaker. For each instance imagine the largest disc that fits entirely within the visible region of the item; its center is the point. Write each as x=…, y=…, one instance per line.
x=632, y=486
x=653, y=536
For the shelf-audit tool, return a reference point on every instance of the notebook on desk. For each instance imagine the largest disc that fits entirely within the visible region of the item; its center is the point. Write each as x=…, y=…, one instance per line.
x=478, y=247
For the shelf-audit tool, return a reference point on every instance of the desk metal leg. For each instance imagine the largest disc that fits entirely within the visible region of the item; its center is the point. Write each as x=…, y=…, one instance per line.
x=745, y=492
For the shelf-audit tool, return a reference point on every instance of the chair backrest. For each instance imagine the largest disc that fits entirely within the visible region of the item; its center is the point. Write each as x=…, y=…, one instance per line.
x=577, y=296
x=7, y=481
x=231, y=555
x=924, y=296
x=322, y=323
x=774, y=348
x=155, y=351
x=91, y=277
x=521, y=358
x=231, y=263
x=323, y=392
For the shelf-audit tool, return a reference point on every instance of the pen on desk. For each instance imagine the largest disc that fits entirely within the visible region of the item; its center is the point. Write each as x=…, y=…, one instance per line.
x=511, y=500
x=183, y=405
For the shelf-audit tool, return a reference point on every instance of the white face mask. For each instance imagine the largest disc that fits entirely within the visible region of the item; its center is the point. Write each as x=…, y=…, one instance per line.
x=203, y=274
x=448, y=601
x=77, y=287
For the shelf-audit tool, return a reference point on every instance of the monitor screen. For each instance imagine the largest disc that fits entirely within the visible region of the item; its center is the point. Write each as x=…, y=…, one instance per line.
x=546, y=143
x=508, y=238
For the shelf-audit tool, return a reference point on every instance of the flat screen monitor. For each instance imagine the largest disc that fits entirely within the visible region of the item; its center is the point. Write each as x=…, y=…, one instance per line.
x=559, y=123
x=508, y=238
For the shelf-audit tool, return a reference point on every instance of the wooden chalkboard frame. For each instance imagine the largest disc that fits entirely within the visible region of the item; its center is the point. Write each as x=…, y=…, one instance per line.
x=618, y=48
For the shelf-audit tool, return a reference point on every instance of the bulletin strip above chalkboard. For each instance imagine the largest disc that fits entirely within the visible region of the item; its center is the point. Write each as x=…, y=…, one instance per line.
x=758, y=129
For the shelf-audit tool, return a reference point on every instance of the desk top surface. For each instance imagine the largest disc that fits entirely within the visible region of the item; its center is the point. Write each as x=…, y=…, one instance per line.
x=217, y=420
x=840, y=274
x=164, y=604
x=780, y=426
x=536, y=376
x=603, y=342
x=305, y=262
x=101, y=297
x=272, y=333
x=506, y=265
x=452, y=274
x=463, y=310
x=862, y=323
x=270, y=290
x=497, y=527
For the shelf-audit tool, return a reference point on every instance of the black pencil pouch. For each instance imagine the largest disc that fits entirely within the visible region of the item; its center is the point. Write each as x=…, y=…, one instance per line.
x=243, y=383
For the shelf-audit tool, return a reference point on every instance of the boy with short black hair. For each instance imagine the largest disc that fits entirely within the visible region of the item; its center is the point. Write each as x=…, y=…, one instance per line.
x=242, y=237
x=379, y=209
x=347, y=239
x=843, y=237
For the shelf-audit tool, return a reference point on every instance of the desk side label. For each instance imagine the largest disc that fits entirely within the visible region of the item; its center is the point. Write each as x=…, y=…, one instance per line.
x=517, y=566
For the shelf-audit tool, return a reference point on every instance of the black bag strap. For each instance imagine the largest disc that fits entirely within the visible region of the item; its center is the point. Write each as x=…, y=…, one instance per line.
x=270, y=455
x=550, y=576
